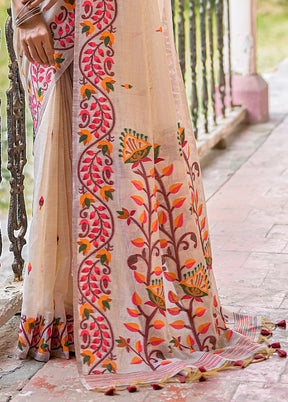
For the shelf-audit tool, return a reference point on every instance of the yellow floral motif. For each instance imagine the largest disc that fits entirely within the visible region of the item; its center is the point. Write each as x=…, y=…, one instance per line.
x=110, y=365
x=88, y=27
x=103, y=302
x=105, y=146
x=29, y=325
x=134, y=148
x=85, y=136
x=88, y=357
x=196, y=285
x=85, y=310
x=87, y=90
x=86, y=199
x=70, y=4
x=107, y=84
x=58, y=60
x=85, y=246
x=104, y=255
x=106, y=192
x=108, y=38
x=65, y=344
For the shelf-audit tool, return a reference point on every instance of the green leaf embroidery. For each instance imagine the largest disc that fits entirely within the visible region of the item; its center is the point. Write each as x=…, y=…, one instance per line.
x=87, y=313
x=120, y=212
x=39, y=92
x=110, y=86
x=109, y=367
x=88, y=93
x=106, y=304
x=108, y=194
x=82, y=247
x=87, y=202
x=59, y=60
x=83, y=137
x=107, y=40
x=44, y=346
x=85, y=29
x=103, y=258
x=57, y=321
x=86, y=359
x=104, y=149
x=21, y=347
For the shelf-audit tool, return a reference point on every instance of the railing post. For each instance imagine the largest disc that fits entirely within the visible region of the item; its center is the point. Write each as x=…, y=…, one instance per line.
x=249, y=88
x=17, y=219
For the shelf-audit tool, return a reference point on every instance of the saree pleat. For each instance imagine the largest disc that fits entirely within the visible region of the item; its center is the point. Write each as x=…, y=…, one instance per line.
x=145, y=301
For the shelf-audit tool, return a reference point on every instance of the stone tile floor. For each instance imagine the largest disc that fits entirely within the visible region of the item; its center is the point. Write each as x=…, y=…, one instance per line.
x=247, y=191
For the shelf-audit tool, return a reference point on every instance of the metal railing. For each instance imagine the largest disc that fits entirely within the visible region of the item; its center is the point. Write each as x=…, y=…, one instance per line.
x=202, y=34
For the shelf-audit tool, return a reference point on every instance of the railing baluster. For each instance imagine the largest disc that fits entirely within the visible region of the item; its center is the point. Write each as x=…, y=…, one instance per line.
x=229, y=53
x=204, y=59
x=222, y=84
x=0, y=177
x=193, y=63
x=181, y=36
x=211, y=51
x=17, y=219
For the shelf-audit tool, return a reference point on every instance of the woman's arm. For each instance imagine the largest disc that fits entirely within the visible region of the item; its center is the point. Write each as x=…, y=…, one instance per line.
x=35, y=36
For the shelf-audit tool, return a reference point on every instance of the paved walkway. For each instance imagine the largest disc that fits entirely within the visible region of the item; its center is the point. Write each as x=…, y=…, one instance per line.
x=247, y=191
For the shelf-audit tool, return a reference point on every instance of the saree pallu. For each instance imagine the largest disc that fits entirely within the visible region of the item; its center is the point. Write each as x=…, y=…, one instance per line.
x=145, y=302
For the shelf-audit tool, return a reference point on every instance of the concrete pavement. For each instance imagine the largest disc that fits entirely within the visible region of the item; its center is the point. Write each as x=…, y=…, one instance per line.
x=247, y=191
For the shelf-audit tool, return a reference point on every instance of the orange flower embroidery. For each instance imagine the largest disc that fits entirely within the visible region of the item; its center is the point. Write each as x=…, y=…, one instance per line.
x=110, y=365
x=86, y=200
x=108, y=38
x=106, y=147
x=84, y=246
x=106, y=192
x=104, y=255
x=196, y=284
x=107, y=84
x=85, y=136
x=29, y=325
x=88, y=357
x=88, y=27
x=135, y=146
x=103, y=302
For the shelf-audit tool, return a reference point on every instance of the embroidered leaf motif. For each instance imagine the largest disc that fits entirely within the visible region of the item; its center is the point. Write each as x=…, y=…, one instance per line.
x=200, y=311
x=132, y=326
x=158, y=324
x=178, y=222
x=133, y=312
x=229, y=334
x=139, y=242
x=175, y=188
x=138, y=346
x=156, y=341
x=202, y=329
x=170, y=276
x=143, y=217
x=136, y=360
x=189, y=263
x=139, y=277
x=138, y=184
x=168, y=170
x=139, y=200
x=136, y=299
x=190, y=341
x=121, y=342
x=200, y=210
x=178, y=324
x=173, y=298
x=162, y=218
x=178, y=202
x=174, y=311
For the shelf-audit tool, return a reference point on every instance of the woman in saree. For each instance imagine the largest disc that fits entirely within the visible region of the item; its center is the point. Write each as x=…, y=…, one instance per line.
x=119, y=207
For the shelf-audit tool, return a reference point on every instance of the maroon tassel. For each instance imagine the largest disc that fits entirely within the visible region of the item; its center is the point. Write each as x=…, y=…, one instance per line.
x=157, y=386
x=202, y=369
x=110, y=391
x=265, y=332
x=239, y=363
x=202, y=378
x=132, y=388
x=282, y=353
x=275, y=345
x=281, y=324
x=258, y=357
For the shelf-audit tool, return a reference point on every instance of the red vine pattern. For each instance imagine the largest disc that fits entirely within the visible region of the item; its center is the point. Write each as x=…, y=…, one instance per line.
x=41, y=77
x=95, y=175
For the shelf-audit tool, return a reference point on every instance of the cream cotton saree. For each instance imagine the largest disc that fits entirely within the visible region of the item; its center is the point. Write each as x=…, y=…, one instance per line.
x=111, y=120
